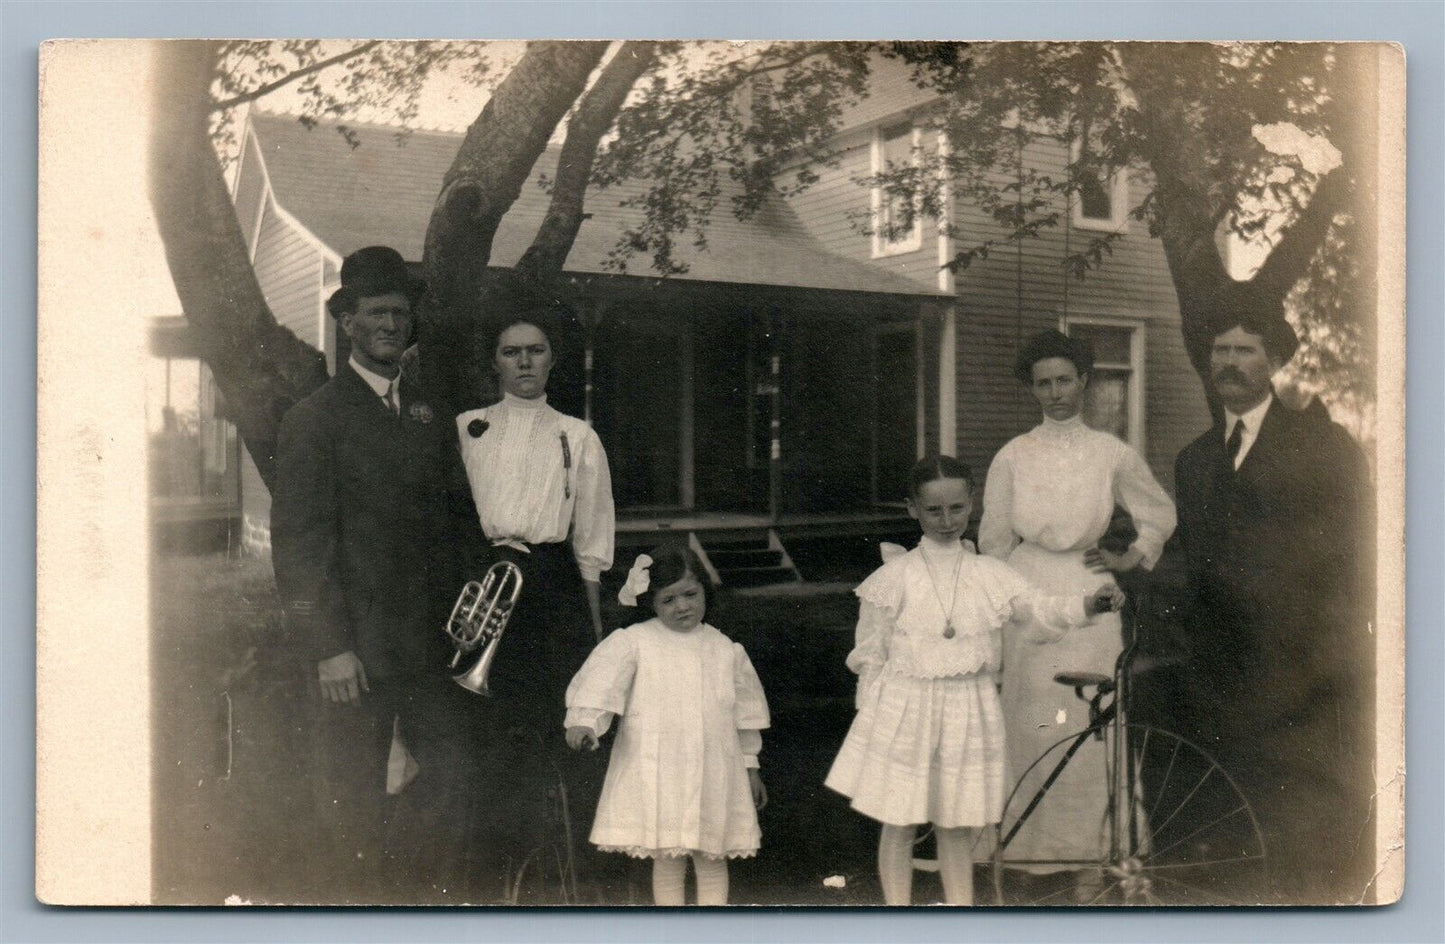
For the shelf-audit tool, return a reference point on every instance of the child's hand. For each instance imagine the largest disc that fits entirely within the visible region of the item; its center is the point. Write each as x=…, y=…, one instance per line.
x=579, y=737
x=755, y=785
x=1107, y=599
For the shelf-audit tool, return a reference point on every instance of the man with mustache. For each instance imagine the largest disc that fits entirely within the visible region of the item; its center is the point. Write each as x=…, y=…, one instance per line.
x=1275, y=539
x=366, y=566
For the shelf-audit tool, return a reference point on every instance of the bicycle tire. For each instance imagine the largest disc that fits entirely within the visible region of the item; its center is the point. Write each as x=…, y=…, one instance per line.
x=1195, y=839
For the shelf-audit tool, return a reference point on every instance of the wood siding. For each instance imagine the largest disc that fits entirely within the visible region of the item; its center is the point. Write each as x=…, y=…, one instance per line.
x=289, y=269
x=250, y=191
x=1016, y=291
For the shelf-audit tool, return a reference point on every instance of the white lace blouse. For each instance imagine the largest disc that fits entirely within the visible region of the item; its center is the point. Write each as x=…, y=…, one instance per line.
x=906, y=605
x=1056, y=486
x=538, y=476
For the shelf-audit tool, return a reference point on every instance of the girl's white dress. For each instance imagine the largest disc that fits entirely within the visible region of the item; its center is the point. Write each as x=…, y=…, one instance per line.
x=691, y=709
x=1048, y=498
x=927, y=744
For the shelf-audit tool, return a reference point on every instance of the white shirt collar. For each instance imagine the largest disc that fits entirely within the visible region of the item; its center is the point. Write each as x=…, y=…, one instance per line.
x=522, y=403
x=1252, y=417
x=373, y=380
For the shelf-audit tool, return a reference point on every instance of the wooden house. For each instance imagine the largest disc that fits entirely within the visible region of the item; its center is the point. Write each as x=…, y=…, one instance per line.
x=780, y=388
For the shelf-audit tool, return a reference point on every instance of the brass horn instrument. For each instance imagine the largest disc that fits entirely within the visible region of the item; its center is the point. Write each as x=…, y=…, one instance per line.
x=478, y=620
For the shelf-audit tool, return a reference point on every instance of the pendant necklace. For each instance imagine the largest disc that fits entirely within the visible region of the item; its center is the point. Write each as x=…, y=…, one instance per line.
x=948, y=631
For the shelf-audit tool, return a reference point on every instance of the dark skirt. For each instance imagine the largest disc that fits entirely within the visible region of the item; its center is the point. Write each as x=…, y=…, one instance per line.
x=546, y=640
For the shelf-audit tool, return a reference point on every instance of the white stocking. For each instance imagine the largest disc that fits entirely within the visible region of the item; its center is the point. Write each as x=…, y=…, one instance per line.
x=668, y=876
x=895, y=863
x=955, y=864
x=712, y=880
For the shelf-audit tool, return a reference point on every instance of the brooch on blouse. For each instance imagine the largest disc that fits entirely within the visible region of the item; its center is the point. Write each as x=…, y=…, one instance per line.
x=476, y=427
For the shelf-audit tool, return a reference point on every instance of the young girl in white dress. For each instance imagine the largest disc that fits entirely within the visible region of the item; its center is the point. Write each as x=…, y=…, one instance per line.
x=683, y=780
x=927, y=745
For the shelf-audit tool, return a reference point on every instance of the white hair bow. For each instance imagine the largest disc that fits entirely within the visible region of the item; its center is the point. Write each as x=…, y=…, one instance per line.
x=638, y=580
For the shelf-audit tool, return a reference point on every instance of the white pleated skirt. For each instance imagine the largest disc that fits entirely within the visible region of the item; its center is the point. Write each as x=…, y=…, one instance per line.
x=925, y=751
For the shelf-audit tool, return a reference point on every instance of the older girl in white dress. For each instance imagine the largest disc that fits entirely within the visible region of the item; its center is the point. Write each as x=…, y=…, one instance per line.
x=1048, y=499
x=927, y=745
x=683, y=780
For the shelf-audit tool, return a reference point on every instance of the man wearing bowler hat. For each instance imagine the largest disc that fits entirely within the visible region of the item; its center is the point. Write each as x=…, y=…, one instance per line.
x=365, y=566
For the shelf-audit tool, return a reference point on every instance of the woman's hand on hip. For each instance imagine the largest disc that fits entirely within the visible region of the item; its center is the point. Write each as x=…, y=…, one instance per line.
x=1101, y=561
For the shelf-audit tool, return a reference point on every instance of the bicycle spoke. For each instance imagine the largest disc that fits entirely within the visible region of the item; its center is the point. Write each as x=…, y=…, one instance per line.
x=1207, y=774
x=1218, y=899
x=1257, y=860
x=1234, y=812
x=1167, y=772
x=1102, y=892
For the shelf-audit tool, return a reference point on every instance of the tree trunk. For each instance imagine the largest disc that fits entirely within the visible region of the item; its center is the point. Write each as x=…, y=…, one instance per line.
x=260, y=367
x=495, y=159
x=543, y=260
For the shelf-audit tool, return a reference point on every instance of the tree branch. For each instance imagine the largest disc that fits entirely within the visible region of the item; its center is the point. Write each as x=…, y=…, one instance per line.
x=594, y=116
x=484, y=181
x=1288, y=262
x=287, y=79
x=260, y=367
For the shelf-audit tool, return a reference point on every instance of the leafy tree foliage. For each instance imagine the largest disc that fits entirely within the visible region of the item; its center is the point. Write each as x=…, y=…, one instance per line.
x=695, y=121
x=1185, y=116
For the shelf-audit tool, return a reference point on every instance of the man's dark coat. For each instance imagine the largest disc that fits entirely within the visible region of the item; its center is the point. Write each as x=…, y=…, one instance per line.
x=359, y=526
x=368, y=512
x=1278, y=564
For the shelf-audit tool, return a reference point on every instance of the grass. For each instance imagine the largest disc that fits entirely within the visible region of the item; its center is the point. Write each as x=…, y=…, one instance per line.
x=232, y=803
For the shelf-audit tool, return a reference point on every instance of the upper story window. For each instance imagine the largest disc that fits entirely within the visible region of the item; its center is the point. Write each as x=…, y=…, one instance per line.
x=1103, y=200
x=897, y=226
x=1114, y=402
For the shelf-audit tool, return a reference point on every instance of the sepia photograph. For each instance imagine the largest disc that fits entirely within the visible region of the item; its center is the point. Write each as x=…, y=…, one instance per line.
x=702, y=473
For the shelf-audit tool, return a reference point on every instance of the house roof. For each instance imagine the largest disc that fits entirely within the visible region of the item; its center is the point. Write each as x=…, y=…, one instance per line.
x=383, y=191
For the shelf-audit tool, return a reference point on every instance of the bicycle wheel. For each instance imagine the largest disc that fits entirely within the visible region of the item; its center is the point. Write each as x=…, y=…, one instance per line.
x=1176, y=830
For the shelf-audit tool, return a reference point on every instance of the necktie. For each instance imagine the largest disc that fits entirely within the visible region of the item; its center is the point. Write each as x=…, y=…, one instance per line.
x=390, y=398
x=1236, y=439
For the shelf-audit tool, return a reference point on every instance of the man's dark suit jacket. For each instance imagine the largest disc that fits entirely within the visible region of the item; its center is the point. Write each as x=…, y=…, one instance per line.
x=1279, y=559
x=361, y=527
x=1278, y=570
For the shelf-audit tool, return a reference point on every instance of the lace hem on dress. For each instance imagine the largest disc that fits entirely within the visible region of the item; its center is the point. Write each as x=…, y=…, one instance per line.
x=676, y=852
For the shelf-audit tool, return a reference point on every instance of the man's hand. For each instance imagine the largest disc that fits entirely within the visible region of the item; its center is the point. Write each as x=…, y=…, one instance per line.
x=755, y=786
x=580, y=736
x=1101, y=561
x=343, y=679
x=1106, y=599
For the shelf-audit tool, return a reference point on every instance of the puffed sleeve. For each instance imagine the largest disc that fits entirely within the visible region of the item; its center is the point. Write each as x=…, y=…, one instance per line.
x=594, y=519
x=880, y=597
x=750, y=707
x=600, y=688
x=1147, y=503
x=996, y=535
x=1040, y=617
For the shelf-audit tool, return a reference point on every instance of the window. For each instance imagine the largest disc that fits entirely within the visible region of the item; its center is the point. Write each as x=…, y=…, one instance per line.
x=897, y=228
x=1102, y=201
x=1115, y=399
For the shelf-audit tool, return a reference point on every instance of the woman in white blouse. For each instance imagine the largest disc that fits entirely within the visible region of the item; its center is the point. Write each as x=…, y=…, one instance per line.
x=1048, y=499
x=543, y=496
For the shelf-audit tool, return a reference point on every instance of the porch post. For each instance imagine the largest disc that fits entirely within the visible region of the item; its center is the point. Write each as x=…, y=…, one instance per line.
x=948, y=330
x=775, y=445
x=948, y=381
x=589, y=315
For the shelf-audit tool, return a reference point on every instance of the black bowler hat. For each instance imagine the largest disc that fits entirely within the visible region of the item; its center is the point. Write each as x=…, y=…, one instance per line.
x=375, y=270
